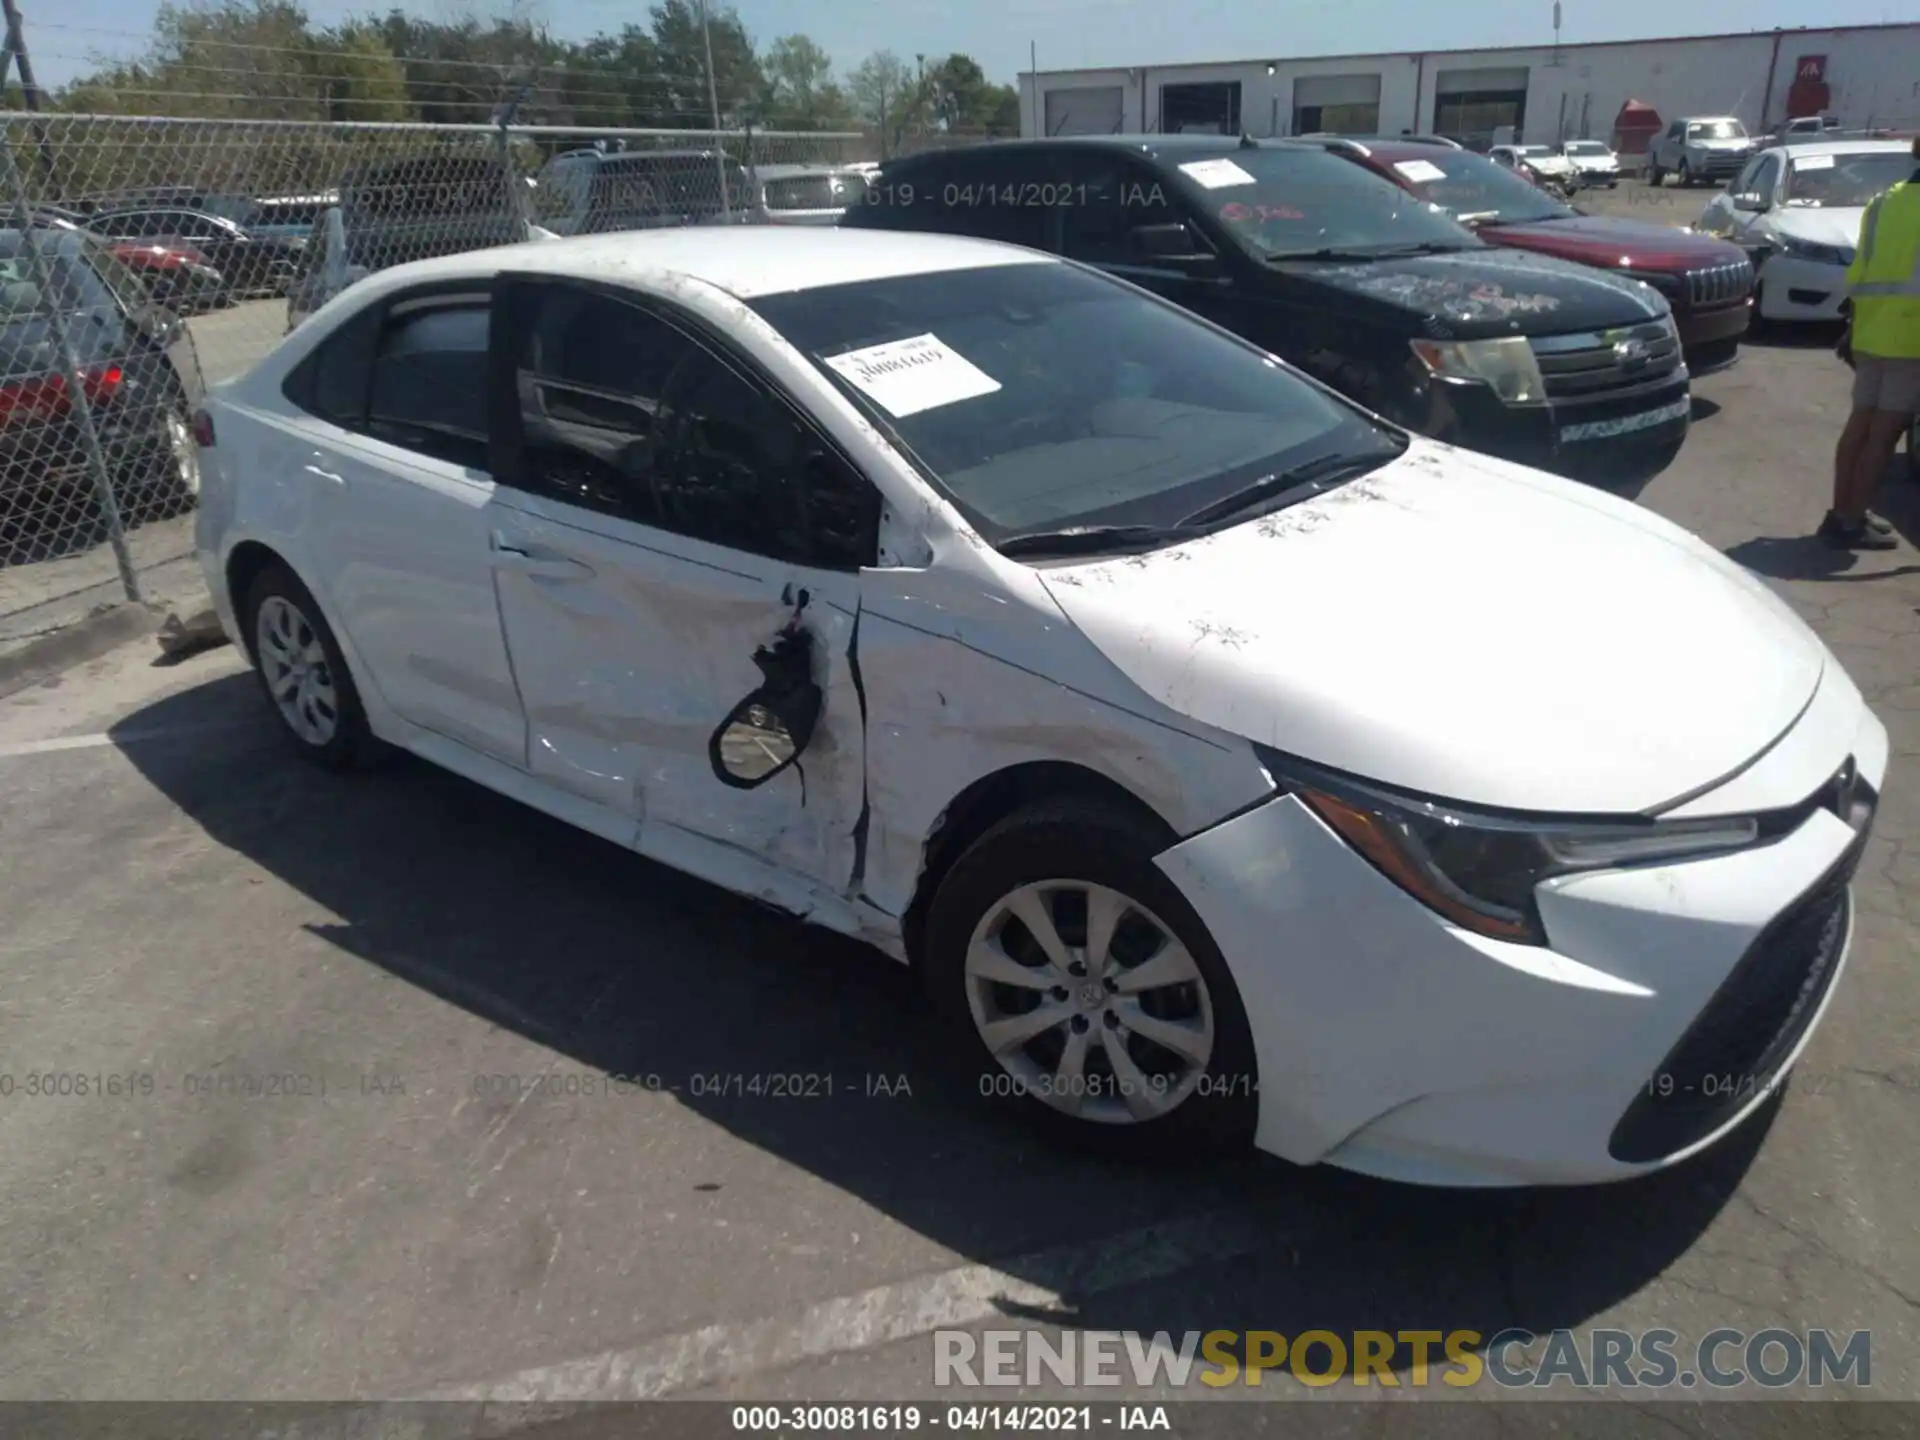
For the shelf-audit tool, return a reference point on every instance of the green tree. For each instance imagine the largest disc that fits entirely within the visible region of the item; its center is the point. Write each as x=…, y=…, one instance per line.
x=800, y=89
x=889, y=97
x=681, y=62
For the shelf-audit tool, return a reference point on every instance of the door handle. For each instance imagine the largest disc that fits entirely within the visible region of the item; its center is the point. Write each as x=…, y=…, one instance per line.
x=512, y=553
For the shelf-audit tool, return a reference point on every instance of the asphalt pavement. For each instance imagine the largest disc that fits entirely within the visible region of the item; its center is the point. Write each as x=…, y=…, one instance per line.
x=352, y=1127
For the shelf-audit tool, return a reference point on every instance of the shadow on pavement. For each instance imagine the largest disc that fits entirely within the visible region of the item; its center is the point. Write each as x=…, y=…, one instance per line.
x=626, y=967
x=1807, y=557
x=1773, y=335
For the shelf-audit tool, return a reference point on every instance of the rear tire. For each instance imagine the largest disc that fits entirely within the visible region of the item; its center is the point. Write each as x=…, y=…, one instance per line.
x=1149, y=1055
x=303, y=674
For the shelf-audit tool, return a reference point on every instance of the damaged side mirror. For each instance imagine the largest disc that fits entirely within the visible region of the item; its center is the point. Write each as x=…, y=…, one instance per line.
x=770, y=728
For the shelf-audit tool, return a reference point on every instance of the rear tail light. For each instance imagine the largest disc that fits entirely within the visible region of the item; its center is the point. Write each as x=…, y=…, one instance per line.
x=45, y=396
x=203, y=429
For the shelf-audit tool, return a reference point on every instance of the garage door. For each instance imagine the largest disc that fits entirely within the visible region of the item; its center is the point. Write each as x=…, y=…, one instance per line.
x=1085, y=110
x=1336, y=90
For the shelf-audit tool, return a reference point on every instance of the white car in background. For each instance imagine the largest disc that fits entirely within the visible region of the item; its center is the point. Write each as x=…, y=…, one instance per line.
x=1542, y=159
x=1797, y=210
x=1131, y=686
x=1593, y=161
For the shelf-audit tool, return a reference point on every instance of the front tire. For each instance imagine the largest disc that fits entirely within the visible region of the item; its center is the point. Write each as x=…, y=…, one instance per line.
x=1081, y=989
x=303, y=673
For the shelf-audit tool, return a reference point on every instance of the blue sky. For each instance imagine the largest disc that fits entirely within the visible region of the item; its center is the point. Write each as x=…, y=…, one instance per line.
x=62, y=36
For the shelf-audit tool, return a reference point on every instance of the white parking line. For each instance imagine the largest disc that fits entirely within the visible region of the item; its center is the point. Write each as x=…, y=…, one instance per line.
x=1053, y=1280
x=130, y=737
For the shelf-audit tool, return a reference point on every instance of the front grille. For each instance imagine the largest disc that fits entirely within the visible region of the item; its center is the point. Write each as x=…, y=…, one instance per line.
x=1718, y=284
x=1735, y=1047
x=1603, y=364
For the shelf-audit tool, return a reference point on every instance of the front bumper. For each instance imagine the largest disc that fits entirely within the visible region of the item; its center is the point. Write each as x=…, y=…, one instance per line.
x=1392, y=1043
x=1563, y=435
x=1716, y=164
x=1804, y=290
x=1706, y=326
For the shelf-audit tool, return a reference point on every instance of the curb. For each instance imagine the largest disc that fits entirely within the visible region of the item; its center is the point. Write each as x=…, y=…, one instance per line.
x=105, y=629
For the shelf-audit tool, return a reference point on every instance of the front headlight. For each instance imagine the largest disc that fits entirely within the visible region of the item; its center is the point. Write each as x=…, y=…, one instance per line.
x=1480, y=871
x=1808, y=250
x=1506, y=364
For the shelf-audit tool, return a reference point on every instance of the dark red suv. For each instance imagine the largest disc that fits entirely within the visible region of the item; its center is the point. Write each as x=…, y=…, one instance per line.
x=1708, y=283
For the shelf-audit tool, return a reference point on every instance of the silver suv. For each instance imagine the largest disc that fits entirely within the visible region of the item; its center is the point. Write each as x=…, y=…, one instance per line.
x=1700, y=149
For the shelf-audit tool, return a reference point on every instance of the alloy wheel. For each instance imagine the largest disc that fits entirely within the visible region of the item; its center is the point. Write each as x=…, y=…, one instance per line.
x=299, y=677
x=1089, y=1002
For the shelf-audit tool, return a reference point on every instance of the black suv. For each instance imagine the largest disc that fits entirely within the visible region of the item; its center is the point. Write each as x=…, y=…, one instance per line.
x=1338, y=271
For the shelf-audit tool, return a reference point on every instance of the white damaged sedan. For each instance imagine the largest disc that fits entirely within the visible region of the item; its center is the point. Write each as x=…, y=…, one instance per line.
x=1232, y=765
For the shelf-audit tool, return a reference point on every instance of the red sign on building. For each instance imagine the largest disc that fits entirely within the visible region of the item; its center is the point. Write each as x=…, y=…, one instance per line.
x=1808, y=94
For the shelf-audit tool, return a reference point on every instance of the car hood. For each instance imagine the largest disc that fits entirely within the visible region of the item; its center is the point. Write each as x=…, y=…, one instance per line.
x=1609, y=240
x=1819, y=225
x=1596, y=162
x=1470, y=294
x=1467, y=629
x=1720, y=146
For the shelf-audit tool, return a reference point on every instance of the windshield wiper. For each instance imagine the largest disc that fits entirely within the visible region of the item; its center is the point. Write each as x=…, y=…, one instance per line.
x=1093, y=539
x=1290, y=487
x=1331, y=252
x=1421, y=247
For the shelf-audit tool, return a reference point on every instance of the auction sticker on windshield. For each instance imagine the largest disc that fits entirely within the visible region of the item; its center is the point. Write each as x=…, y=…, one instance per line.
x=1216, y=174
x=1813, y=162
x=1422, y=172
x=904, y=377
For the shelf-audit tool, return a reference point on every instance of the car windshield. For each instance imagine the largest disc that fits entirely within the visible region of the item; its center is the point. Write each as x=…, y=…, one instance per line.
x=1817, y=181
x=1716, y=130
x=1042, y=396
x=1281, y=203
x=1471, y=187
x=1586, y=147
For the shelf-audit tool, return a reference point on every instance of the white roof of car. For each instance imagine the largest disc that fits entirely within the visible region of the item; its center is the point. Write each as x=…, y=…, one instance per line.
x=745, y=261
x=1847, y=147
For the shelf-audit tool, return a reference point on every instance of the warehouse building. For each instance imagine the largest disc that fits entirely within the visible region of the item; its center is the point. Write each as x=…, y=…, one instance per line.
x=1868, y=75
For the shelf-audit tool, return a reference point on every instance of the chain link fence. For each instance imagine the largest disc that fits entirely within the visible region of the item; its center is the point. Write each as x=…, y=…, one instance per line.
x=143, y=259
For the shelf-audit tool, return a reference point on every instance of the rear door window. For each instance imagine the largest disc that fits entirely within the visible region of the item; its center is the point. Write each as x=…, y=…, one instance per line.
x=428, y=387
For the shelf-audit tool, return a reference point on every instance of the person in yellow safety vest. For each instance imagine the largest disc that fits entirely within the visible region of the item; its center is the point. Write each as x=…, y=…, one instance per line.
x=1882, y=344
